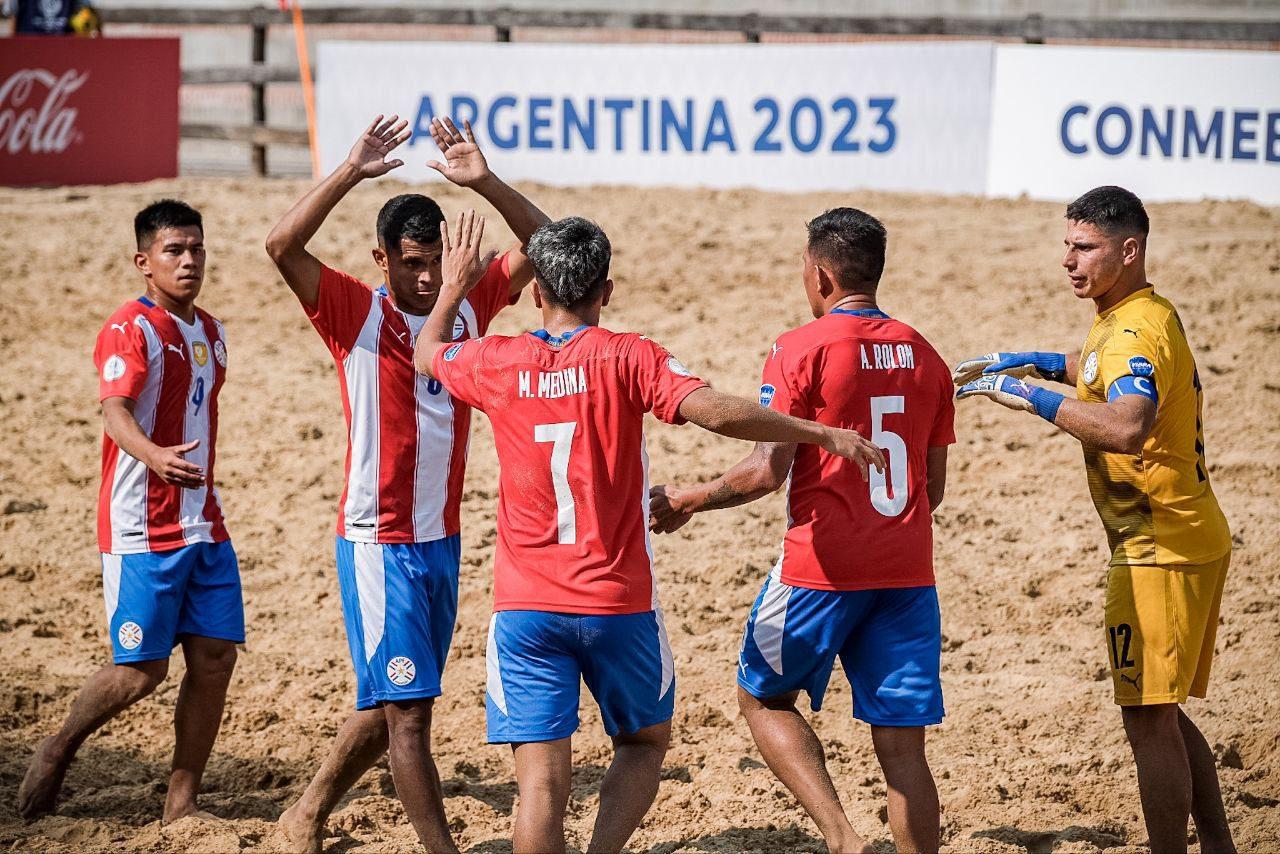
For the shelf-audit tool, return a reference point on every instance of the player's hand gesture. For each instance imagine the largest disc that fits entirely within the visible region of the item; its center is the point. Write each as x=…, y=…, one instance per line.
x=1003, y=389
x=1042, y=366
x=169, y=464
x=462, y=266
x=464, y=163
x=369, y=155
x=664, y=518
x=852, y=446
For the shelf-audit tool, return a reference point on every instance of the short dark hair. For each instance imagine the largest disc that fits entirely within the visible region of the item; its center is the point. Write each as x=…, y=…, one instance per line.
x=411, y=215
x=166, y=213
x=571, y=259
x=1115, y=210
x=851, y=242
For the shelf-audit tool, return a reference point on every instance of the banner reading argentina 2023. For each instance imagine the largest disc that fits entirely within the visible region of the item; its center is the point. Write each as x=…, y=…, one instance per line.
x=782, y=117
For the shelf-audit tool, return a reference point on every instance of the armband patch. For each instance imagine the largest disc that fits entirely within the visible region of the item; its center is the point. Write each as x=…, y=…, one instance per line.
x=1142, y=386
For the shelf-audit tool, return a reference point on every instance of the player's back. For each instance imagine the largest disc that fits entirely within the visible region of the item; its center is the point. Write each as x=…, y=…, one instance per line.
x=574, y=492
x=866, y=372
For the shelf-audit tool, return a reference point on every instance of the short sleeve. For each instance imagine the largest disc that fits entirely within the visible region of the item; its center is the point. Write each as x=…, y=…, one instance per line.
x=779, y=389
x=944, y=421
x=457, y=367
x=340, y=310
x=661, y=381
x=1133, y=351
x=492, y=293
x=120, y=355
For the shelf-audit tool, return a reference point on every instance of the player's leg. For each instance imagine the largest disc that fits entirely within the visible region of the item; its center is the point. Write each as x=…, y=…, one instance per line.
x=531, y=703
x=627, y=665
x=1206, y=795
x=210, y=623
x=360, y=743
x=913, y=796
x=414, y=771
x=893, y=659
x=196, y=718
x=1164, y=774
x=790, y=643
x=106, y=693
x=544, y=776
x=143, y=595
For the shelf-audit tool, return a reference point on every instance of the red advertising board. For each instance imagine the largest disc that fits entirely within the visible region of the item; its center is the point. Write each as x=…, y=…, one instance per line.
x=88, y=111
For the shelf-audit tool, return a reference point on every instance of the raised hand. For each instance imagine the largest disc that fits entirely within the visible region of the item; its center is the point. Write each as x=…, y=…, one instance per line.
x=462, y=266
x=464, y=163
x=1042, y=366
x=852, y=446
x=369, y=155
x=169, y=464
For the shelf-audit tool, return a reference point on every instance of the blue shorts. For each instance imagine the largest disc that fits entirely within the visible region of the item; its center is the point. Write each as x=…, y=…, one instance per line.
x=153, y=598
x=399, y=602
x=889, y=642
x=535, y=660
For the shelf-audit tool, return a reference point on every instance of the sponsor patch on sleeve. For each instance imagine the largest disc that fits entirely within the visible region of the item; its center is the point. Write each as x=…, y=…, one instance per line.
x=674, y=365
x=766, y=394
x=452, y=352
x=1139, y=366
x=113, y=369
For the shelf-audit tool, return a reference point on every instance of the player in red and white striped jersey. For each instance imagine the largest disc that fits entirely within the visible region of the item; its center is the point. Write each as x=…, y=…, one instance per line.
x=398, y=543
x=169, y=572
x=574, y=592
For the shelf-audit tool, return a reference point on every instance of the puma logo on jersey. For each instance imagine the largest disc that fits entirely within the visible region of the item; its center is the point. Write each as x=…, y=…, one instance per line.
x=123, y=327
x=1136, y=681
x=776, y=348
x=176, y=349
x=1131, y=332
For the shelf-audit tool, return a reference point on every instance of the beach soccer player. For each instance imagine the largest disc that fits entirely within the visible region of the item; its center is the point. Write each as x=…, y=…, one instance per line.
x=574, y=590
x=1137, y=410
x=398, y=520
x=169, y=572
x=855, y=579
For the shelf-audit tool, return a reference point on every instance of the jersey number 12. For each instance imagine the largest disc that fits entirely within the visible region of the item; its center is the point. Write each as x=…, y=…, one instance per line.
x=561, y=437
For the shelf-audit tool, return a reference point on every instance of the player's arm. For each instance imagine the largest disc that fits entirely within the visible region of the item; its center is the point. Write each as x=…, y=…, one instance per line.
x=739, y=418
x=1059, y=367
x=461, y=267
x=1119, y=426
x=935, y=467
x=465, y=165
x=167, y=463
x=287, y=242
x=758, y=474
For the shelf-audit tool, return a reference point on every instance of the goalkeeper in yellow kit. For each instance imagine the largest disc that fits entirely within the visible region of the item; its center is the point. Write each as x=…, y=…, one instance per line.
x=1137, y=411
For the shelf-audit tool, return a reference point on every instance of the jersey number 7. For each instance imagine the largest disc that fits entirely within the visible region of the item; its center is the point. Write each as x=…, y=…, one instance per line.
x=561, y=437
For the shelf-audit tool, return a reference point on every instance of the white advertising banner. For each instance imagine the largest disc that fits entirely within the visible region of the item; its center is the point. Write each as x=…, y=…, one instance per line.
x=1167, y=124
x=780, y=117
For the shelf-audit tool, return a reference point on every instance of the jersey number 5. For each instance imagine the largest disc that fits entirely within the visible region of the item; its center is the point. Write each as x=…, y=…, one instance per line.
x=561, y=437
x=888, y=503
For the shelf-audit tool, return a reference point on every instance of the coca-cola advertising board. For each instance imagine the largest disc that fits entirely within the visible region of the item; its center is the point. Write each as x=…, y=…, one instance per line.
x=88, y=111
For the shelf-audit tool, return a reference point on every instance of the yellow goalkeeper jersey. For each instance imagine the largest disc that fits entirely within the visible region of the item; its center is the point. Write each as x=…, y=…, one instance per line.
x=1158, y=506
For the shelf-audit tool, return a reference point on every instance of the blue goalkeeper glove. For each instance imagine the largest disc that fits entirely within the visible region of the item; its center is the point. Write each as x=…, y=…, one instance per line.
x=1015, y=394
x=1042, y=366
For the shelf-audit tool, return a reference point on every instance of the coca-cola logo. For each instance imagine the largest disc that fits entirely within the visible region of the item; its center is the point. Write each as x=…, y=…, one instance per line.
x=26, y=124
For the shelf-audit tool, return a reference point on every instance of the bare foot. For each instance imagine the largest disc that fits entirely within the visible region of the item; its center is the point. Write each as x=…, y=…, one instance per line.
x=191, y=812
x=304, y=837
x=39, y=790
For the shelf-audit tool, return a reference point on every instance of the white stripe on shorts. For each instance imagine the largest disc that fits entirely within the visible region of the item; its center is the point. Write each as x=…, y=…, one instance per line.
x=371, y=591
x=493, y=679
x=111, y=583
x=771, y=619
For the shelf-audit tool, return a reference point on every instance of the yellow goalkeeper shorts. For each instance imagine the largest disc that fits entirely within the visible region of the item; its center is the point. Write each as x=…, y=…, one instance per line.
x=1161, y=622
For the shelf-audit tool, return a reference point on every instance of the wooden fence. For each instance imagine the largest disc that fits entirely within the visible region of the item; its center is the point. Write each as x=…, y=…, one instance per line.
x=1032, y=29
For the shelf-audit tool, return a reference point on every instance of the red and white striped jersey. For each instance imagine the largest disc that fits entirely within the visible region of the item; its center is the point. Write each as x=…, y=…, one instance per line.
x=172, y=371
x=573, y=494
x=406, y=436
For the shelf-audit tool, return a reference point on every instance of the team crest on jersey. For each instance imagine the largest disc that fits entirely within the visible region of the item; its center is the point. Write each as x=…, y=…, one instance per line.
x=766, y=394
x=113, y=369
x=200, y=351
x=1090, y=372
x=220, y=352
x=452, y=352
x=674, y=365
x=130, y=635
x=1140, y=366
x=459, y=328
x=400, y=670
